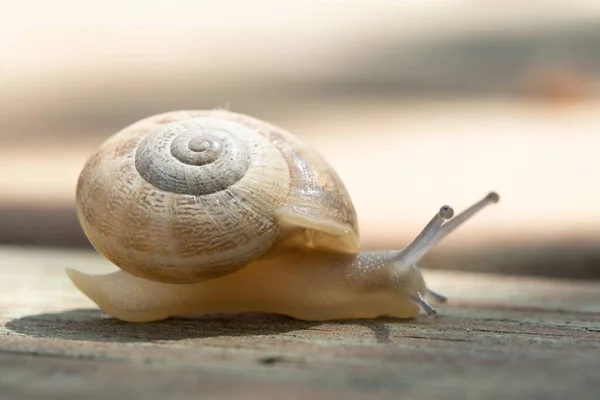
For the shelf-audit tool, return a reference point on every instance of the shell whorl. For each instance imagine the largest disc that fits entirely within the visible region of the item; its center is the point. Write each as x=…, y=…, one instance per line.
x=197, y=156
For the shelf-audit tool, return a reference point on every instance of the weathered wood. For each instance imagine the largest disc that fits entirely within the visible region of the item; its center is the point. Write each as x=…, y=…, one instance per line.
x=499, y=337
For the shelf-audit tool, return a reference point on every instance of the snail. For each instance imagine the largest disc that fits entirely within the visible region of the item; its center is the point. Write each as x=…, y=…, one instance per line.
x=211, y=211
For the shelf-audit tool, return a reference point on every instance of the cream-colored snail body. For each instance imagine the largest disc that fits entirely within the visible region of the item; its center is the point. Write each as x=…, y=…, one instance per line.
x=212, y=211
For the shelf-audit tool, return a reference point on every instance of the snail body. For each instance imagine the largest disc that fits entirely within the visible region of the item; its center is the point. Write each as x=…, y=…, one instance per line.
x=213, y=211
x=304, y=284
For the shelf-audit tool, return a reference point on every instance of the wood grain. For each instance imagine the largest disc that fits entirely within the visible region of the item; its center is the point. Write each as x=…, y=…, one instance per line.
x=499, y=337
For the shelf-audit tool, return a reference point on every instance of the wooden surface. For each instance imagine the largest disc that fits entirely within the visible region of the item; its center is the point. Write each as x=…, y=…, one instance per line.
x=500, y=337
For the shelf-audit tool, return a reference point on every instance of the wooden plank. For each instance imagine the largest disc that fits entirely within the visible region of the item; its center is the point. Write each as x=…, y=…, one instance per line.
x=499, y=337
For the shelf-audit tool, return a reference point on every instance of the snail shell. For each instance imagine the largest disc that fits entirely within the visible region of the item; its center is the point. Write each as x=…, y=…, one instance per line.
x=188, y=196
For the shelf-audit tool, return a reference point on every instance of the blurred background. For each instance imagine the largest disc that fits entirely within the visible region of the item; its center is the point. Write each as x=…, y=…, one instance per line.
x=416, y=103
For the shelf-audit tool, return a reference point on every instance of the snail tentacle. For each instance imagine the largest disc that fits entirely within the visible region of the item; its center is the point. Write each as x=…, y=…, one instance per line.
x=428, y=308
x=426, y=239
x=436, y=296
x=467, y=214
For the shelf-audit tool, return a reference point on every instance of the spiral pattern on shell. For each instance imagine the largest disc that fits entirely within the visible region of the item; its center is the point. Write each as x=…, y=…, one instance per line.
x=198, y=156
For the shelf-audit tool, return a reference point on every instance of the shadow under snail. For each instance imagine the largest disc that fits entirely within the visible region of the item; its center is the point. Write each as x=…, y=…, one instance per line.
x=213, y=211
